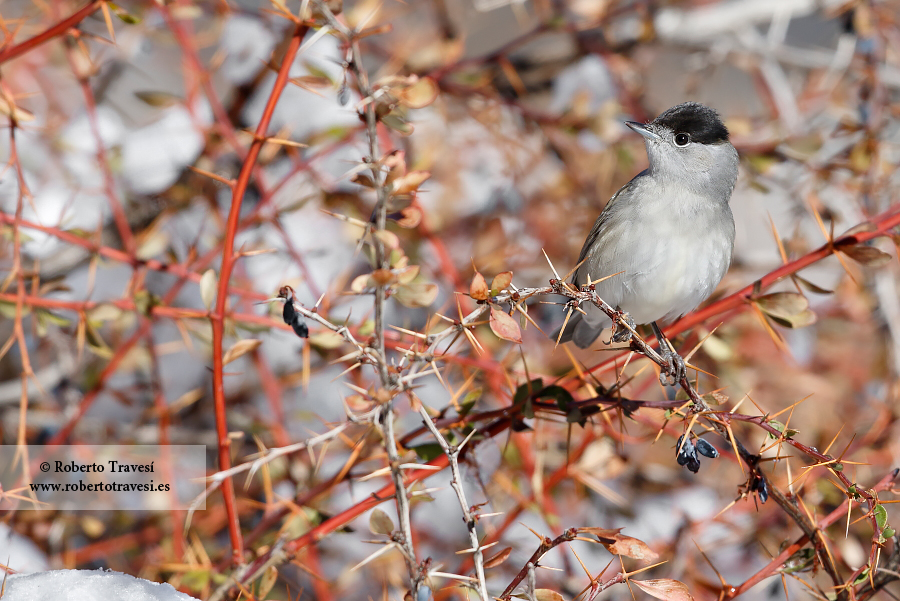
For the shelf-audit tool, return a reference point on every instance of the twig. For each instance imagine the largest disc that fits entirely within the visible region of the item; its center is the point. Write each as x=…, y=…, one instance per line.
x=452, y=453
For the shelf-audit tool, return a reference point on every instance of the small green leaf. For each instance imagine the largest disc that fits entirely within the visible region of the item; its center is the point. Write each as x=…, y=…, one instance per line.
x=428, y=451
x=525, y=390
x=880, y=516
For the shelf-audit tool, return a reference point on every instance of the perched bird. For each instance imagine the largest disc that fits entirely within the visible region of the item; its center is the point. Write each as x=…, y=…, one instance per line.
x=669, y=231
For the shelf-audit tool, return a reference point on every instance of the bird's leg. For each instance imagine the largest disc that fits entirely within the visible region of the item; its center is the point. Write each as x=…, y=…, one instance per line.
x=620, y=332
x=677, y=369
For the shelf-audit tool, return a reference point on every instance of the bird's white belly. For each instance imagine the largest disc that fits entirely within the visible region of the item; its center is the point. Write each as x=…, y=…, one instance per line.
x=668, y=274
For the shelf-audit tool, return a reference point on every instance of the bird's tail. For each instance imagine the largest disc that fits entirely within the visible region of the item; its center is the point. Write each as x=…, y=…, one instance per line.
x=579, y=331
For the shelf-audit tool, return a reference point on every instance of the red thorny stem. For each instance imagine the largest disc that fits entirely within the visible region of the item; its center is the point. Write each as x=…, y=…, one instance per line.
x=217, y=316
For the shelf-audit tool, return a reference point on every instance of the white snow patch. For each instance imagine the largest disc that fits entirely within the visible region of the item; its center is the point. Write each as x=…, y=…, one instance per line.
x=87, y=585
x=20, y=553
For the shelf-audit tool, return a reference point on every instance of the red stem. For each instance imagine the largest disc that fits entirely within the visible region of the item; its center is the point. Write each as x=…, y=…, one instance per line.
x=56, y=30
x=217, y=317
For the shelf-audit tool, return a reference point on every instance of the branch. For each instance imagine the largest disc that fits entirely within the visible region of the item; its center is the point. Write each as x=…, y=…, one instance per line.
x=217, y=317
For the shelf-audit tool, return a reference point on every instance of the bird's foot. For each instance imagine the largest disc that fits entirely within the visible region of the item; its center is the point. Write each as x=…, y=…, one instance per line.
x=676, y=367
x=620, y=332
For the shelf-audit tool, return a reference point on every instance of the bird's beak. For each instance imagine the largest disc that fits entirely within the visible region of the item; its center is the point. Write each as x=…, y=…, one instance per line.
x=643, y=130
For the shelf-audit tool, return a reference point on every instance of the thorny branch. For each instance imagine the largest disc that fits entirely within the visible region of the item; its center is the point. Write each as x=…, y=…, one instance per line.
x=384, y=418
x=469, y=517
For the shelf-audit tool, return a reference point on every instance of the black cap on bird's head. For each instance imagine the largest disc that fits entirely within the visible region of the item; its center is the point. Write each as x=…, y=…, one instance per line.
x=690, y=121
x=700, y=122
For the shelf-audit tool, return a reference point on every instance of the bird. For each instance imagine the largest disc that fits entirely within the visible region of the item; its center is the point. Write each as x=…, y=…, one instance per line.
x=668, y=234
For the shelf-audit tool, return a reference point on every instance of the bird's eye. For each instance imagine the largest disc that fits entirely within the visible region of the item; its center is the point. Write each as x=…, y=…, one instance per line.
x=682, y=140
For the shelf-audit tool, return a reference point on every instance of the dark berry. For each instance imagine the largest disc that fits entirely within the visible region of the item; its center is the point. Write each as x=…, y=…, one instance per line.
x=706, y=449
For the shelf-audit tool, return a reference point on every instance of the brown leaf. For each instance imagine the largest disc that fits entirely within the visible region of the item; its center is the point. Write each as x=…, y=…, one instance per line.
x=607, y=536
x=501, y=281
x=240, y=348
x=497, y=559
x=416, y=294
x=505, y=327
x=326, y=340
x=478, y=289
x=407, y=274
x=810, y=286
x=361, y=282
x=546, y=594
x=363, y=179
x=389, y=239
x=380, y=523
x=665, y=589
x=420, y=94
x=790, y=309
x=410, y=182
x=632, y=547
x=158, y=99
x=270, y=577
x=867, y=255
x=382, y=277
x=410, y=217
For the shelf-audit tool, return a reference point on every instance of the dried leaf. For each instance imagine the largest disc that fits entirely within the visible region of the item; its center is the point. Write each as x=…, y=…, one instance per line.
x=363, y=179
x=810, y=286
x=407, y=274
x=860, y=228
x=154, y=243
x=867, y=255
x=420, y=94
x=501, y=281
x=607, y=536
x=240, y=348
x=665, y=589
x=380, y=523
x=208, y=284
x=267, y=582
x=410, y=217
x=478, y=289
x=382, y=277
x=497, y=559
x=361, y=282
x=326, y=340
x=790, y=309
x=416, y=294
x=631, y=547
x=158, y=99
x=389, y=239
x=410, y=182
x=715, y=398
x=504, y=326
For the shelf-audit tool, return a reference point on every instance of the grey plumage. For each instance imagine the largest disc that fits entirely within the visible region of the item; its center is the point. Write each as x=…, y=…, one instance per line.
x=669, y=230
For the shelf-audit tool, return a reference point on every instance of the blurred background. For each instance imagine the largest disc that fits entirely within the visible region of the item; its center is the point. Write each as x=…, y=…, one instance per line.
x=131, y=121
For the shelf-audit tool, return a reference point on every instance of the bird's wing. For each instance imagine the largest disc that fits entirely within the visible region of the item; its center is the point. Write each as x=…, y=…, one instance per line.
x=579, y=279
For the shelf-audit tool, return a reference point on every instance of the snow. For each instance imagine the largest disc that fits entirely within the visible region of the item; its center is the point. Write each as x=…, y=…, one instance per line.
x=19, y=553
x=87, y=585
